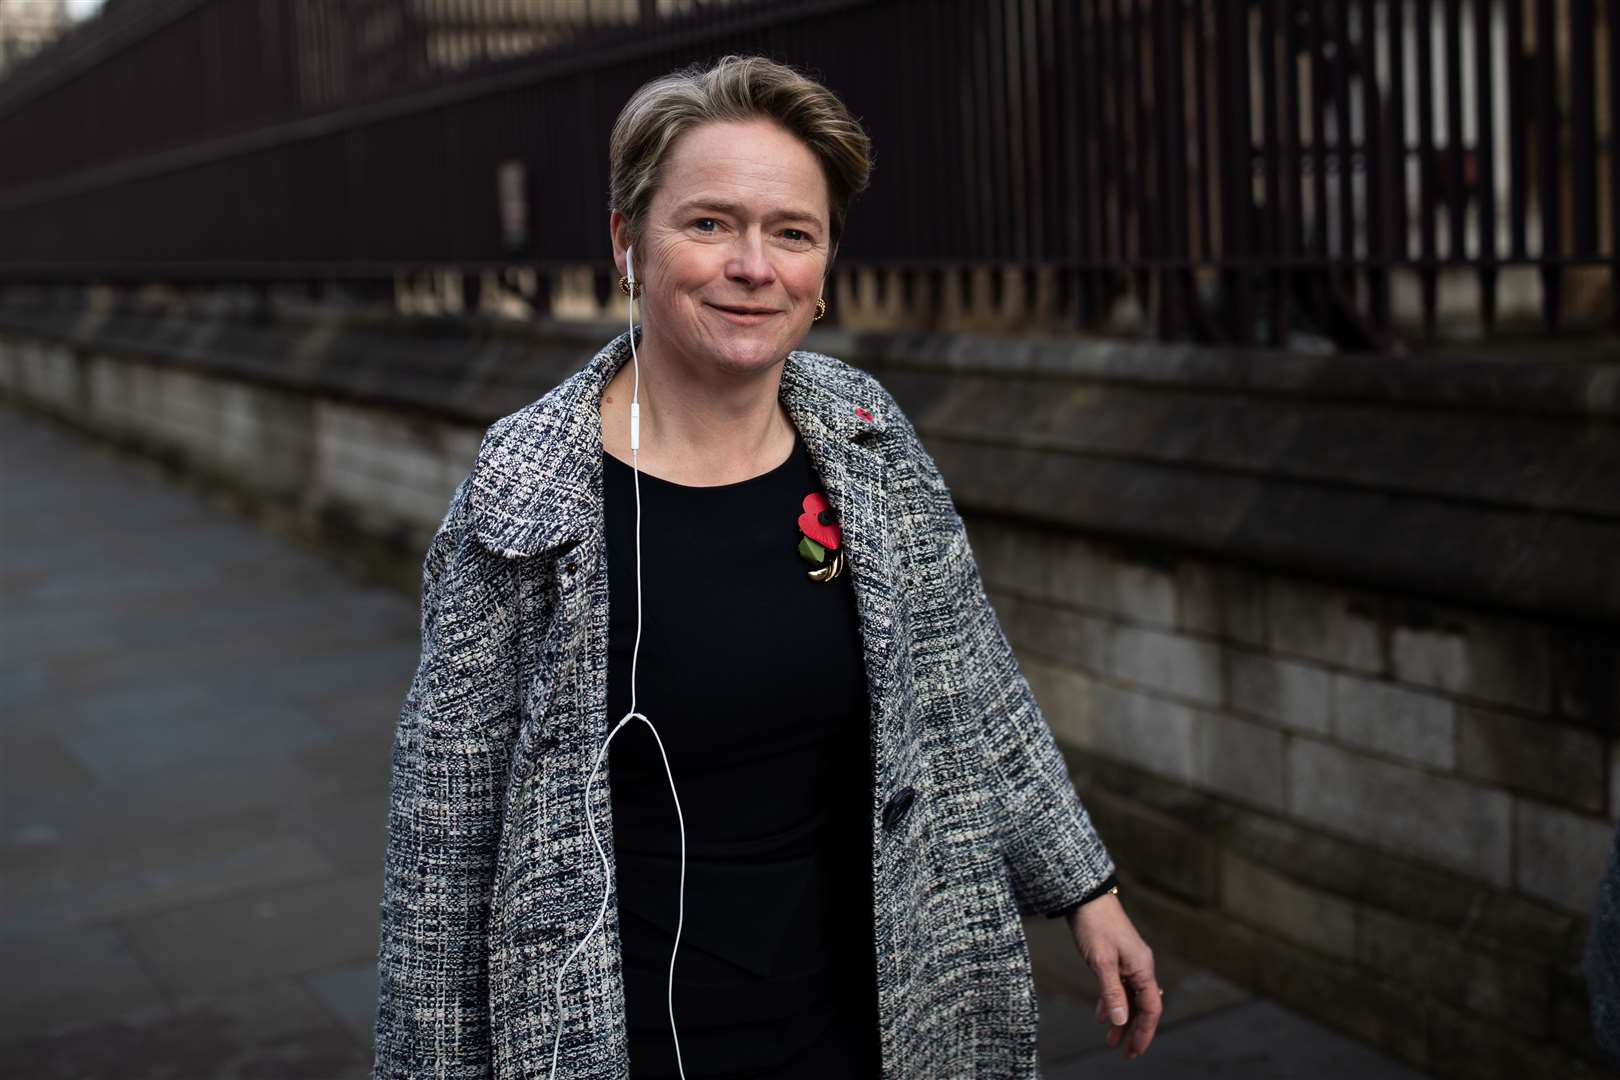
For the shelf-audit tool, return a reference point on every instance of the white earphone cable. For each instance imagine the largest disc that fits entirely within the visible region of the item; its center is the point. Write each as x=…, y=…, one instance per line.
x=635, y=652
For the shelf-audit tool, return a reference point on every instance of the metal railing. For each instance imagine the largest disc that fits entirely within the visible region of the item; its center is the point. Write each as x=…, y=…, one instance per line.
x=1240, y=167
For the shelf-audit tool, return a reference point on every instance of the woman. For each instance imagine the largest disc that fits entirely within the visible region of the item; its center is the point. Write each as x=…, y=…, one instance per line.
x=717, y=762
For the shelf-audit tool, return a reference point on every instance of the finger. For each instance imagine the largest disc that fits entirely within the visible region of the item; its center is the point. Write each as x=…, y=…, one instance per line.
x=1100, y=1013
x=1145, y=1021
x=1114, y=1003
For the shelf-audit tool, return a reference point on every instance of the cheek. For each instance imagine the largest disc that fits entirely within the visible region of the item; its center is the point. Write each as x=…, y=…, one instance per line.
x=805, y=281
x=673, y=286
x=685, y=265
x=667, y=269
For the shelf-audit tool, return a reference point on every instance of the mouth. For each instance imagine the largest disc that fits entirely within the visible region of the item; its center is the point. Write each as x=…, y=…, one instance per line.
x=746, y=313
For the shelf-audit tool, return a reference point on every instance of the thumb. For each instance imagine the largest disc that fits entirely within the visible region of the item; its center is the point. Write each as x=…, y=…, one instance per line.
x=1113, y=1003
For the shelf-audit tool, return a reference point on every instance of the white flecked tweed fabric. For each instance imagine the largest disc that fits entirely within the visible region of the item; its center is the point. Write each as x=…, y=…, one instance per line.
x=490, y=876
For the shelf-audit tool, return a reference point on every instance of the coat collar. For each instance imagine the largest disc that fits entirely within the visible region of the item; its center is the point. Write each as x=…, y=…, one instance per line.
x=537, y=482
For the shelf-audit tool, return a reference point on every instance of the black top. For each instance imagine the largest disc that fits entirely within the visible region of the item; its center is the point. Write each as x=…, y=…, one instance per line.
x=752, y=673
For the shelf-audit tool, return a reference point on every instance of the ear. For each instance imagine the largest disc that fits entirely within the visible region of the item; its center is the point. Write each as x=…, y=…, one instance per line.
x=619, y=233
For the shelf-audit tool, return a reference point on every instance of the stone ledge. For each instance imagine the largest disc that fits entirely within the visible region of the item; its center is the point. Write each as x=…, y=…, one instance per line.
x=1525, y=560
x=1479, y=482
x=1550, y=386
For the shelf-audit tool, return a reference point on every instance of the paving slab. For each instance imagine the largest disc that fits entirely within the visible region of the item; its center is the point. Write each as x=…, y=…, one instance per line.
x=261, y=935
x=135, y=808
x=193, y=780
x=350, y=994
x=61, y=889
x=71, y=976
x=272, y=1030
x=1257, y=1041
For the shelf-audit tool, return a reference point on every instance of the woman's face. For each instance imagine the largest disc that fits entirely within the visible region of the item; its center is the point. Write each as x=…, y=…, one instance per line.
x=734, y=247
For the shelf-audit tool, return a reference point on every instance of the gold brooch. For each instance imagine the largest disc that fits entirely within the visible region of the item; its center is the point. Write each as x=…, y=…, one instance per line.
x=822, y=540
x=831, y=570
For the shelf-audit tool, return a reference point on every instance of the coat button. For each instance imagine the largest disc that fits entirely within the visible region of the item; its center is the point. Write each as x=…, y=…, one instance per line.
x=898, y=806
x=569, y=567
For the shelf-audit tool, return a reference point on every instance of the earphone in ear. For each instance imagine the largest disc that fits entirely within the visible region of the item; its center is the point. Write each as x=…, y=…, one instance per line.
x=630, y=308
x=635, y=653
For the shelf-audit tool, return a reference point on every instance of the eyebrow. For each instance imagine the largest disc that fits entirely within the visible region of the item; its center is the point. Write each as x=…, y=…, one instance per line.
x=737, y=210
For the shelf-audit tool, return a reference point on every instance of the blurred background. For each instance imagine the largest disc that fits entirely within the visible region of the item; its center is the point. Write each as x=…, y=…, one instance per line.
x=1269, y=348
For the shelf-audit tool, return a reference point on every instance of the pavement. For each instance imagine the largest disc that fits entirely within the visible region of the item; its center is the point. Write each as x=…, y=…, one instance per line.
x=194, y=765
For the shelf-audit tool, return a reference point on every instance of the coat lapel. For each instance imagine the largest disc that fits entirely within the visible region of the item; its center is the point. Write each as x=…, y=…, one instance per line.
x=537, y=490
x=847, y=451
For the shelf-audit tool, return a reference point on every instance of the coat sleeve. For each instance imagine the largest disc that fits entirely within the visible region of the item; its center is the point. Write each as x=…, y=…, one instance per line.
x=1052, y=851
x=1602, y=958
x=1053, y=854
x=451, y=753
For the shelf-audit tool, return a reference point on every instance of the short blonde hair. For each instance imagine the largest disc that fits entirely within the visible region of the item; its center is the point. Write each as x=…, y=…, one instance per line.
x=735, y=88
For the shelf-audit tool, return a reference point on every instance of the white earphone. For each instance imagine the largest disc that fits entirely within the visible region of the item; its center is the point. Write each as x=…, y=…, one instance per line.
x=635, y=446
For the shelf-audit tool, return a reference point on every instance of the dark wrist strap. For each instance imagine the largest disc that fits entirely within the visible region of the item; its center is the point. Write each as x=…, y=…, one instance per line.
x=1109, y=884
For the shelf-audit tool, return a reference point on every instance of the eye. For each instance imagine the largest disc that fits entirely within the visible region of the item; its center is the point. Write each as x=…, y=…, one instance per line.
x=707, y=224
x=797, y=236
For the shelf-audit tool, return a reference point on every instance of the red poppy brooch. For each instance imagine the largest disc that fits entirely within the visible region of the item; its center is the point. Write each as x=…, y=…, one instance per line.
x=820, y=542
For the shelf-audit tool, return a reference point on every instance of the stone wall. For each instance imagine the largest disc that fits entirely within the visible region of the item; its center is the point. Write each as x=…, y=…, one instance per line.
x=1333, y=643
x=350, y=432
x=1333, y=646
x=1390, y=814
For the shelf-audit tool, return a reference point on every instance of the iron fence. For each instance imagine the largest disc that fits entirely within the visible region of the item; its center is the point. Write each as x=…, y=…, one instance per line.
x=1241, y=167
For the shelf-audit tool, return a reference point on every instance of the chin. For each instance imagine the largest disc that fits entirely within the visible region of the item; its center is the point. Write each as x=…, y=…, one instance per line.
x=748, y=352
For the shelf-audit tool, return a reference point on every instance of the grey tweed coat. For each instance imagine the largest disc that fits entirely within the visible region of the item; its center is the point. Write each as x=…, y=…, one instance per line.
x=490, y=874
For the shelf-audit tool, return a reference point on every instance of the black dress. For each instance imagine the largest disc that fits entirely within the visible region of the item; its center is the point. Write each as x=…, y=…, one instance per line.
x=753, y=674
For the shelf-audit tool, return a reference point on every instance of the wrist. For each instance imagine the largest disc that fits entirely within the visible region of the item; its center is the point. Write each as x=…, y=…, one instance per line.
x=1109, y=886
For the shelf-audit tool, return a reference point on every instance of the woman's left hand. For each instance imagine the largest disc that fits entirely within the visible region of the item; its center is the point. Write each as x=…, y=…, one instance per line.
x=1131, y=1001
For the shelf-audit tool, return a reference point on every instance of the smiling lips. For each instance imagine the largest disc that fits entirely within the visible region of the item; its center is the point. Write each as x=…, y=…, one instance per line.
x=744, y=313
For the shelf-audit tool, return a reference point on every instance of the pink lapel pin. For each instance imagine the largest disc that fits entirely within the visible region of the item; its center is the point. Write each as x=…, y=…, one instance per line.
x=864, y=413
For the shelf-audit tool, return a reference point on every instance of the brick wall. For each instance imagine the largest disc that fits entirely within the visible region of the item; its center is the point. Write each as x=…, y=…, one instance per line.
x=1388, y=813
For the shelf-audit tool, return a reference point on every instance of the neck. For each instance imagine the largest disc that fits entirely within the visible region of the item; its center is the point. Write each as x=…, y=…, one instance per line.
x=700, y=423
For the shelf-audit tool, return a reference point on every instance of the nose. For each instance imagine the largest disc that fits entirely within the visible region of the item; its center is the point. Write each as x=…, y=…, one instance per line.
x=750, y=264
